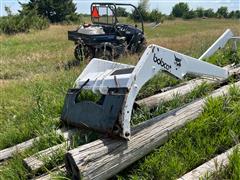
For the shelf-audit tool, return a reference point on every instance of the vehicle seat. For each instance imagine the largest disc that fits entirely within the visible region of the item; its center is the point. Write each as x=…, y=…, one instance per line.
x=109, y=29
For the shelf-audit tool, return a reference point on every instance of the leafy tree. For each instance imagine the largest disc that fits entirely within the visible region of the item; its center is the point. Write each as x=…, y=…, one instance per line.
x=200, y=12
x=189, y=14
x=180, y=9
x=237, y=14
x=234, y=14
x=222, y=12
x=209, y=13
x=55, y=10
x=231, y=14
x=142, y=8
x=155, y=16
x=23, y=22
x=122, y=12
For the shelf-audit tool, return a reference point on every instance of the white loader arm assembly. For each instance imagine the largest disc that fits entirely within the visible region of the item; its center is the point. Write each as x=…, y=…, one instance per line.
x=119, y=85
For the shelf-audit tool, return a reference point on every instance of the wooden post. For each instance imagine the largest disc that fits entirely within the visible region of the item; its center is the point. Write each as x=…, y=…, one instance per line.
x=210, y=166
x=35, y=162
x=104, y=158
x=8, y=152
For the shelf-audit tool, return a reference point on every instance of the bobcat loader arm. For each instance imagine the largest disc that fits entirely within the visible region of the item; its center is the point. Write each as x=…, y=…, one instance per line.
x=119, y=85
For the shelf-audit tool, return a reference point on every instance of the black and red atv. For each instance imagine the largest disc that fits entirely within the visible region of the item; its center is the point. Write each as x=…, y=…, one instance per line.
x=106, y=38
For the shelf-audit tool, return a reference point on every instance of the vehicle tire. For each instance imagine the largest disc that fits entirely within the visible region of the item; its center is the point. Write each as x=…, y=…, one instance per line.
x=142, y=46
x=107, y=55
x=79, y=52
x=90, y=53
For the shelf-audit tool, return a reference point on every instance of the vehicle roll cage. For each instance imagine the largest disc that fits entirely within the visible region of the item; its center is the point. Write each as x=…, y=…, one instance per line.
x=114, y=11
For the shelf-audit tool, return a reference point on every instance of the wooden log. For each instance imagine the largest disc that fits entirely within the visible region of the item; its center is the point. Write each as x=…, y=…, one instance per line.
x=182, y=90
x=35, y=162
x=104, y=158
x=209, y=167
x=8, y=152
x=49, y=176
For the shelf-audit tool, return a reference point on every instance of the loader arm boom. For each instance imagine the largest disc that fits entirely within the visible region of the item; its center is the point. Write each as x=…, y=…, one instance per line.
x=218, y=44
x=119, y=85
x=156, y=59
x=113, y=79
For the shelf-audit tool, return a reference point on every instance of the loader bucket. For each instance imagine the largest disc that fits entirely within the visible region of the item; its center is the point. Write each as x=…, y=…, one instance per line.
x=101, y=116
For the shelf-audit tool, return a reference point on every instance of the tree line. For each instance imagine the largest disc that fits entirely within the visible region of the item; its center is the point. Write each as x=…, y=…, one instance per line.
x=182, y=10
x=179, y=10
x=38, y=14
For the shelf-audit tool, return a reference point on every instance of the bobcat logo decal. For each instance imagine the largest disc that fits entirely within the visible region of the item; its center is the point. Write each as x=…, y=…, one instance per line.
x=177, y=61
x=160, y=62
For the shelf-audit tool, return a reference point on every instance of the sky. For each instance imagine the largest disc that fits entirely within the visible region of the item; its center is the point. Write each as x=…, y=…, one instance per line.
x=165, y=6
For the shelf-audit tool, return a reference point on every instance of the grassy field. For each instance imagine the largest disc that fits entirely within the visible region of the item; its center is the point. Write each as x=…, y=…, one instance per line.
x=34, y=78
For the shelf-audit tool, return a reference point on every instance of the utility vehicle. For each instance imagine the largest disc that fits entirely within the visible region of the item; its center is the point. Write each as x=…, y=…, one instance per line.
x=106, y=37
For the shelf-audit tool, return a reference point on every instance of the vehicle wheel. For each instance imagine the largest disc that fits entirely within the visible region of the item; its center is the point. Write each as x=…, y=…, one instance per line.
x=78, y=52
x=90, y=53
x=142, y=46
x=107, y=55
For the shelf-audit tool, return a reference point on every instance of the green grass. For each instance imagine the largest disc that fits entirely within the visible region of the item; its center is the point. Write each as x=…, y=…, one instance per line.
x=215, y=131
x=15, y=169
x=30, y=109
x=158, y=82
x=39, y=52
x=181, y=27
x=34, y=80
x=142, y=114
x=226, y=56
x=139, y=116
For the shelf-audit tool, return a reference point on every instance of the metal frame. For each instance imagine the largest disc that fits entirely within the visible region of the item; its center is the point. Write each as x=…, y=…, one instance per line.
x=219, y=43
x=115, y=13
x=105, y=77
